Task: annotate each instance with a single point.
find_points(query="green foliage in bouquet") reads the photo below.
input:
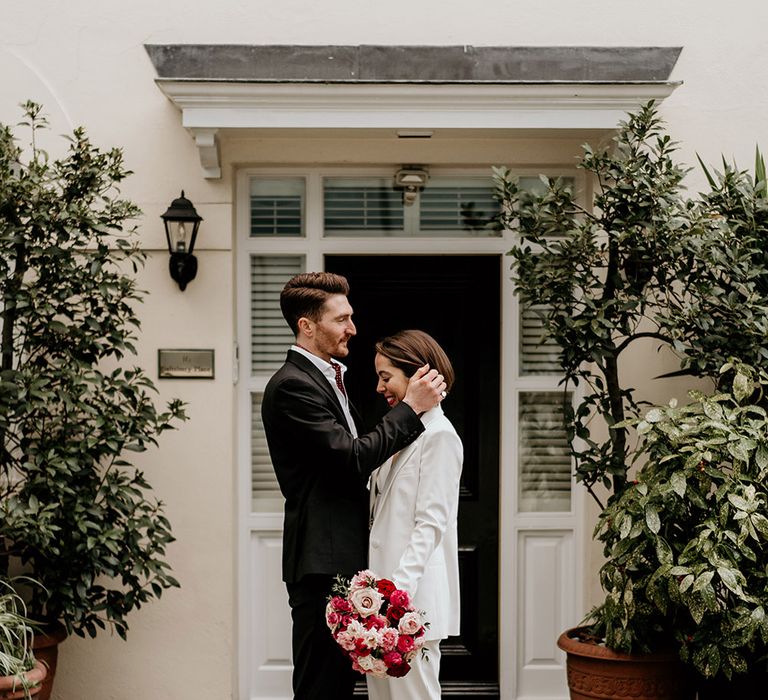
(73, 511)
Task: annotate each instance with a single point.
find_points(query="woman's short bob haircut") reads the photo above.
(409, 350)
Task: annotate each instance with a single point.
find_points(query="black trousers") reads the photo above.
(320, 669)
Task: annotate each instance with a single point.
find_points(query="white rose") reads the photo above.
(379, 669)
(366, 662)
(410, 623)
(366, 601)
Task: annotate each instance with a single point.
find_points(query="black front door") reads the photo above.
(456, 299)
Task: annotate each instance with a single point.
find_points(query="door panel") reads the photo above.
(457, 300)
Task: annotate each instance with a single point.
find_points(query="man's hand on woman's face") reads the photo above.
(426, 389)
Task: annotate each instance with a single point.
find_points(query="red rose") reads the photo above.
(376, 622)
(392, 658)
(385, 587)
(361, 649)
(394, 614)
(398, 671)
(405, 643)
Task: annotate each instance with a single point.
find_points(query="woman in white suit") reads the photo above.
(414, 504)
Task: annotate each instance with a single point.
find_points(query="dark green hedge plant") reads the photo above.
(600, 273)
(74, 511)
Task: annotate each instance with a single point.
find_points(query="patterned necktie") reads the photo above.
(339, 381)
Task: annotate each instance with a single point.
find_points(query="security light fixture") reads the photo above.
(181, 224)
(411, 179)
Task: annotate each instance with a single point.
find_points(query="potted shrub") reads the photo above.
(74, 512)
(687, 543)
(21, 674)
(644, 263)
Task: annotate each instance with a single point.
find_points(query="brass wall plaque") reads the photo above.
(185, 364)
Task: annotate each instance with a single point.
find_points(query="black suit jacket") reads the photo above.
(322, 470)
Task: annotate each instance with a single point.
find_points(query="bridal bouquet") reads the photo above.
(375, 624)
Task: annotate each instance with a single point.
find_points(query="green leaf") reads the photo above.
(663, 551)
(679, 483)
(652, 519)
(742, 386)
(703, 580)
(729, 578)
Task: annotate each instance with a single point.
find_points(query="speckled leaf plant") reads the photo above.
(687, 543)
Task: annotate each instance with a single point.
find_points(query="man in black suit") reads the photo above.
(322, 466)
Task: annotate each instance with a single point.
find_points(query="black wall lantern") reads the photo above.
(181, 224)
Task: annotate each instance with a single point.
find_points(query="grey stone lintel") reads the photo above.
(413, 64)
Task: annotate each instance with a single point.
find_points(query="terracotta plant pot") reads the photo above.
(45, 647)
(11, 688)
(594, 671)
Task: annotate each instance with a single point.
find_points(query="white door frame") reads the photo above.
(550, 543)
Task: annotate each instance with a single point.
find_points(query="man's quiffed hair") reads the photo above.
(305, 294)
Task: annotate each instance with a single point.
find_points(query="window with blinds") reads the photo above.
(270, 335)
(544, 457)
(277, 207)
(538, 355)
(263, 482)
(270, 339)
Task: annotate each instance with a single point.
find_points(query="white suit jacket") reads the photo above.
(413, 537)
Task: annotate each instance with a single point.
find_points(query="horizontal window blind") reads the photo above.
(270, 335)
(361, 205)
(277, 207)
(544, 454)
(263, 481)
(538, 355)
(468, 208)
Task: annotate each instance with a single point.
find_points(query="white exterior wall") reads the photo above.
(86, 62)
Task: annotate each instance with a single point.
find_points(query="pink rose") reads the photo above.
(332, 618)
(410, 623)
(405, 644)
(346, 641)
(363, 579)
(340, 604)
(389, 639)
(366, 601)
(400, 599)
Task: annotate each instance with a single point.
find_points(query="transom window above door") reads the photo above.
(362, 207)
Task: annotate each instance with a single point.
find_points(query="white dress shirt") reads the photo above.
(330, 374)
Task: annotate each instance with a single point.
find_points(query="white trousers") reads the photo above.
(420, 683)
